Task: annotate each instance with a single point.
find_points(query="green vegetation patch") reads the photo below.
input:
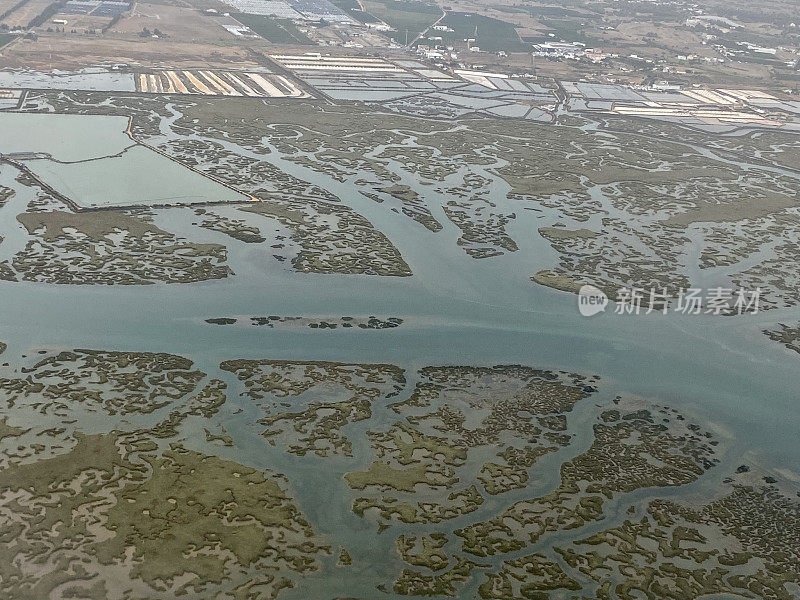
(415, 17)
(489, 34)
(382, 475)
(277, 31)
(423, 550)
(7, 38)
(353, 8)
(142, 255)
(178, 522)
(567, 30)
(193, 499)
(46, 14)
(9, 431)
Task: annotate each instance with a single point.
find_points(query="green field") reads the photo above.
(277, 31)
(567, 30)
(414, 17)
(353, 8)
(493, 35)
(6, 38)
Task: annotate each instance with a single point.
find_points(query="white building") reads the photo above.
(559, 49)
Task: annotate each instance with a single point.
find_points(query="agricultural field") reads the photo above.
(490, 34)
(353, 8)
(276, 31)
(7, 6)
(77, 52)
(412, 17)
(25, 13)
(7, 38)
(177, 22)
(82, 23)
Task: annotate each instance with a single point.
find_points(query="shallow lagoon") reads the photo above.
(90, 160)
(69, 80)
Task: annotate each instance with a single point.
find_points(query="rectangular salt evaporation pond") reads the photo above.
(100, 81)
(90, 160)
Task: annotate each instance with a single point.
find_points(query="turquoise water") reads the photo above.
(723, 371)
(67, 138)
(461, 311)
